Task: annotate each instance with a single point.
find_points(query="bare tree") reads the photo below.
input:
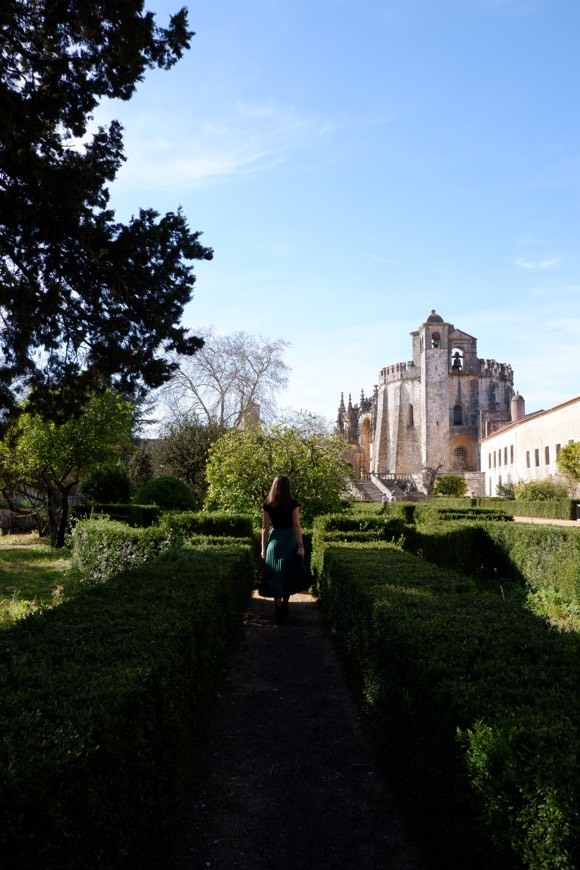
(429, 476)
(228, 380)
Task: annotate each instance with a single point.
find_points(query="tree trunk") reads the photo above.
(58, 512)
(63, 520)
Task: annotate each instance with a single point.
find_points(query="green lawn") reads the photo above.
(32, 575)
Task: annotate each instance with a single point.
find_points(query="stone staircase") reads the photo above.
(368, 491)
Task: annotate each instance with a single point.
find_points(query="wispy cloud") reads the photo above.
(251, 139)
(538, 265)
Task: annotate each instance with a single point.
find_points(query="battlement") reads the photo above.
(503, 371)
(397, 371)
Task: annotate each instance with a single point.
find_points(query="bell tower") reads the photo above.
(433, 361)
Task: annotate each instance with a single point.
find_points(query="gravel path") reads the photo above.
(289, 775)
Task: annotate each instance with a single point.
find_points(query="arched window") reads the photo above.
(460, 454)
(435, 340)
(410, 421)
(458, 415)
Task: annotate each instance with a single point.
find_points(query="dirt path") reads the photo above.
(290, 776)
(547, 521)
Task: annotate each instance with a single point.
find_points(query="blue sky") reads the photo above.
(356, 163)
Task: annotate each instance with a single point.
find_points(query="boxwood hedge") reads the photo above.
(555, 508)
(102, 548)
(476, 697)
(132, 514)
(540, 558)
(103, 698)
(207, 523)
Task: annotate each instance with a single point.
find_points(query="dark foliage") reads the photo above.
(85, 300)
(166, 492)
(107, 483)
(184, 451)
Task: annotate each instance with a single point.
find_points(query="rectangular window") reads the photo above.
(558, 448)
(537, 456)
(494, 458)
(489, 457)
(499, 480)
(547, 455)
(505, 456)
(499, 456)
(511, 454)
(528, 458)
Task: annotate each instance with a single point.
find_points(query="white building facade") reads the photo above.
(527, 448)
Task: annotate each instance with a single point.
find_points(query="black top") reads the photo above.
(282, 517)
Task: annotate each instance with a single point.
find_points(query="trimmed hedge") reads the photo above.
(442, 511)
(538, 558)
(143, 515)
(557, 508)
(364, 507)
(208, 523)
(545, 557)
(103, 698)
(430, 513)
(385, 526)
(478, 699)
(102, 548)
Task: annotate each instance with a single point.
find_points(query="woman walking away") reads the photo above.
(282, 547)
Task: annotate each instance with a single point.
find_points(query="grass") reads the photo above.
(32, 576)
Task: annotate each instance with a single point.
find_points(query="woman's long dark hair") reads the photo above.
(280, 494)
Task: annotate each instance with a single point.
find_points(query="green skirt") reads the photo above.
(284, 571)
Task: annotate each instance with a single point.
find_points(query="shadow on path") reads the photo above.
(288, 775)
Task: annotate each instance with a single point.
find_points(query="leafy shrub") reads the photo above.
(107, 483)
(140, 467)
(540, 490)
(506, 491)
(167, 492)
(450, 485)
(102, 548)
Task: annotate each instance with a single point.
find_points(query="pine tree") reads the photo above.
(85, 301)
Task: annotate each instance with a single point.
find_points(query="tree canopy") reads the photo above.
(450, 485)
(183, 451)
(568, 461)
(43, 461)
(242, 465)
(85, 301)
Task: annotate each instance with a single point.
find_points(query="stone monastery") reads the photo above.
(428, 415)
